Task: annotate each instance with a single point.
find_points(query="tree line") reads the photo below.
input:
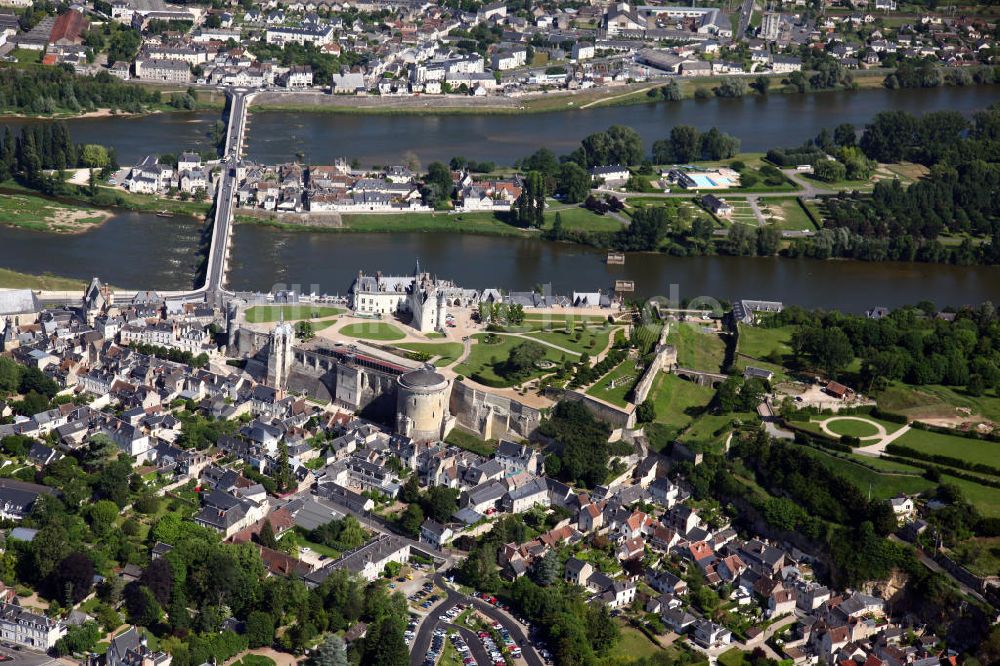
(47, 90)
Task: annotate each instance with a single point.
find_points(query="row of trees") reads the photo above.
(46, 90)
(45, 147)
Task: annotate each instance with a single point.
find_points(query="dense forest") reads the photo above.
(47, 90)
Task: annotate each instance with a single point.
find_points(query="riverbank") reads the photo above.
(13, 280)
(624, 95)
(27, 211)
(480, 223)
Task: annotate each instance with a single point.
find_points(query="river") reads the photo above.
(761, 123)
(277, 136)
(143, 251)
(264, 258)
(130, 250)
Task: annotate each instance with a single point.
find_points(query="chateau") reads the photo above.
(425, 297)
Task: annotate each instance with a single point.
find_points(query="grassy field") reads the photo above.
(153, 204)
(447, 351)
(480, 223)
(592, 340)
(373, 330)
(13, 280)
(980, 556)
(697, 349)
(677, 401)
(616, 396)
(883, 485)
(963, 448)
(38, 214)
(852, 428)
(708, 432)
(984, 498)
(635, 644)
(262, 314)
(484, 359)
(470, 442)
(578, 218)
(787, 214)
(771, 344)
(936, 402)
(540, 320)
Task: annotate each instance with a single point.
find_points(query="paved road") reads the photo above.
(517, 632)
(746, 11)
(425, 630)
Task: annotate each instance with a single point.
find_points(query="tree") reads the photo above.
(331, 652)
(158, 577)
(530, 206)
(384, 644)
(141, 605)
(411, 520)
(645, 412)
(72, 580)
(682, 146)
(260, 629)
(547, 570)
(283, 475)
(573, 182)
(441, 502)
(716, 145)
(266, 536)
(102, 515)
(304, 330)
(829, 171)
(439, 180)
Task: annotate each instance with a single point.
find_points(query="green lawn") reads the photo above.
(592, 340)
(786, 214)
(448, 352)
(981, 556)
(882, 485)
(578, 218)
(616, 396)
(697, 349)
(373, 330)
(635, 644)
(963, 448)
(936, 402)
(255, 660)
(484, 359)
(708, 432)
(852, 428)
(13, 280)
(677, 401)
(262, 314)
(772, 344)
(470, 442)
(984, 498)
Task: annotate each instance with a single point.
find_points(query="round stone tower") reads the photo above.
(422, 404)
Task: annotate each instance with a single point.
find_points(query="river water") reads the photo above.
(264, 258)
(761, 123)
(136, 250)
(141, 250)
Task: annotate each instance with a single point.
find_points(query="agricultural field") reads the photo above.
(373, 330)
(981, 555)
(697, 348)
(263, 314)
